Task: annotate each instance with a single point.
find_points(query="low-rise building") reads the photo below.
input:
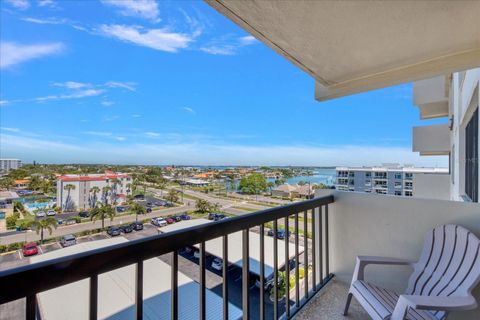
(293, 191)
(77, 192)
(395, 180)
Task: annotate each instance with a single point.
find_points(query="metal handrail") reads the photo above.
(31, 279)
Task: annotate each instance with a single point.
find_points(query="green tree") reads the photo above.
(46, 186)
(270, 186)
(172, 195)
(137, 209)
(161, 184)
(101, 212)
(35, 183)
(203, 206)
(40, 225)
(7, 183)
(69, 205)
(105, 192)
(253, 184)
(18, 174)
(93, 198)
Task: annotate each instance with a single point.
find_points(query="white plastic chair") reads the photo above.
(442, 280)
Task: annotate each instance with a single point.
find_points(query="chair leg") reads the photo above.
(347, 305)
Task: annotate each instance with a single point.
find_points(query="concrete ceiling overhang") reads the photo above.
(355, 46)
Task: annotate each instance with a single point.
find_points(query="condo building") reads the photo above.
(80, 192)
(455, 98)
(395, 180)
(9, 164)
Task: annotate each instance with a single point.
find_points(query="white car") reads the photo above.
(217, 264)
(40, 214)
(159, 222)
(68, 240)
(51, 213)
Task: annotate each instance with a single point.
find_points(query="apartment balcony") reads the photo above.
(431, 140)
(431, 97)
(339, 225)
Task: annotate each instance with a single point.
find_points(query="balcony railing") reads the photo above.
(30, 280)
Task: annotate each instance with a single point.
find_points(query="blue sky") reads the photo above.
(175, 82)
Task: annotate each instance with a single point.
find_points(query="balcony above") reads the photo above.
(350, 47)
(431, 140)
(431, 97)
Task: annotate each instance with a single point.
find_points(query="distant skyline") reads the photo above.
(151, 82)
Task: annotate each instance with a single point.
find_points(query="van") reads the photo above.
(68, 240)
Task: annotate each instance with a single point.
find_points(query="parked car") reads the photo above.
(30, 249)
(68, 240)
(196, 254)
(126, 228)
(51, 213)
(219, 216)
(169, 204)
(40, 214)
(159, 203)
(149, 210)
(139, 197)
(217, 264)
(159, 222)
(176, 218)
(84, 214)
(59, 221)
(169, 220)
(185, 217)
(149, 204)
(280, 233)
(113, 231)
(121, 209)
(211, 216)
(70, 221)
(137, 226)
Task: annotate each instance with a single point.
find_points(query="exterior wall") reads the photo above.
(464, 99)
(368, 224)
(431, 186)
(9, 164)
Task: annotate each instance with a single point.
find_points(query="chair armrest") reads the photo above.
(363, 261)
(431, 303)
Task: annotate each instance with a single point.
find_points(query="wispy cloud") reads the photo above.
(3, 102)
(189, 110)
(152, 134)
(107, 103)
(13, 53)
(19, 4)
(136, 115)
(45, 21)
(72, 85)
(74, 95)
(111, 118)
(120, 138)
(98, 133)
(158, 39)
(46, 3)
(10, 129)
(125, 85)
(146, 9)
(227, 45)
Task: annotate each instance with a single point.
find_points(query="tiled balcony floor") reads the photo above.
(329, 304)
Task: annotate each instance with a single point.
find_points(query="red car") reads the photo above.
(170, 220)
(30, 249)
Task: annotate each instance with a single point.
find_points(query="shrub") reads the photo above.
(11, 222)
(3, 248)
(14, 246)
(77, 219)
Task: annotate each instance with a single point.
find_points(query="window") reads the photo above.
(398, 176)
(409, 176)
(351, 174)
(408, 185)
(471, 158)
(398, 184)
(408, 193)
(368, 174)
(398, 193)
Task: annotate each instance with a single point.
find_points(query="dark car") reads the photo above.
(113, 231)
(149, 210)
(280, 233)
(137, 226)
(139, 197)
(84, 214)
(219, 216)
(185, 217)
(211, 216)
(126, 228)
(176, 218)
(149, 204)
(169, 204)
(121, 209)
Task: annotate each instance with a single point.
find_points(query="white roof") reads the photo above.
(215, 246)
(400, 169)
(116, 292)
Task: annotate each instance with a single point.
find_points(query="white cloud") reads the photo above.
(136, 115)
(12, 53)
(152, 134)
(45, 21)
(146, 9)
(46, 3)
(189, 110)
(107, 103)
(98, 133)
(19, 4)
(227, 46)
(75, 95)
(72, 85)
(120, 138)
(158, 39)
(10, 129)
(3, 102)
(126, 85)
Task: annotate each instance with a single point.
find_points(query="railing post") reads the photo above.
(174, 270)
(287, 269)
(139, 291)
(202, 310)
(275, 269)
(31, 307)
(245, 275)
(93, 306)
(225, 277)
(262, 272)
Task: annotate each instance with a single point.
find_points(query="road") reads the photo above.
(30, 235)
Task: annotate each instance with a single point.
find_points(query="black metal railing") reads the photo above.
(29, 280)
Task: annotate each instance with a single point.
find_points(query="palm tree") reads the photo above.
(105, 191)
(93, 199)
(138, 209)
(47, 223)
(161, 184)
(115, 182)
(129, 187)
(46, 186)
(102, 211)
(68, 204)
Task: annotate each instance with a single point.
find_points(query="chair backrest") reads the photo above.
(449, 264)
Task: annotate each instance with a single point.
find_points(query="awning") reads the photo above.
(354, 46)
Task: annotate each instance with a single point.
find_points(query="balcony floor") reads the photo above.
(329, 304)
